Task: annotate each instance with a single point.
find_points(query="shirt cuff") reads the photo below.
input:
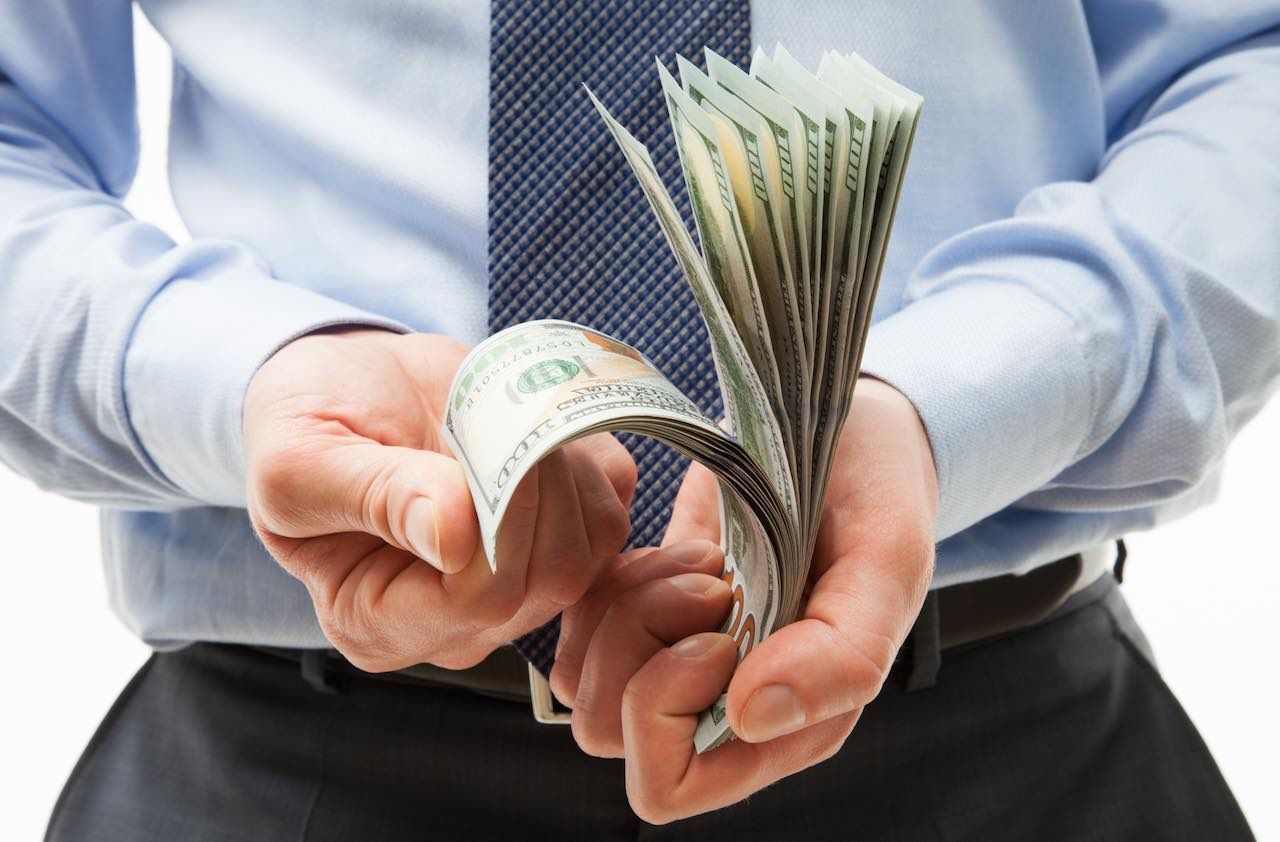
(189, 362)
(1000, 380)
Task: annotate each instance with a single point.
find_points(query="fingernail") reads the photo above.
(690, 552)
(421, 530)
(696, 646)
(697, 583)
(771, 712)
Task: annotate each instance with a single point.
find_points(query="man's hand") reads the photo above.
(354, 493)
(638, 663)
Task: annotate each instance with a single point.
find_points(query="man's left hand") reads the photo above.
(638, 663)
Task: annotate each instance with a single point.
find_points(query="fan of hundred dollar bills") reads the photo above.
(793, 179)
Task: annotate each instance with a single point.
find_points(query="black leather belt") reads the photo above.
(954, 616)
(502, 675)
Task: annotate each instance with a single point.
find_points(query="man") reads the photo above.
(1078, 311)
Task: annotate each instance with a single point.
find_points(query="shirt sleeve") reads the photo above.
(124, 357)
(1098, 349)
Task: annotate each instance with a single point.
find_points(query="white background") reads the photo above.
(1205, 589)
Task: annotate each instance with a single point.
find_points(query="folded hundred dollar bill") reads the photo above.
(793, 178)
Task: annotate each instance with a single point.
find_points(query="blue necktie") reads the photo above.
(570, 233)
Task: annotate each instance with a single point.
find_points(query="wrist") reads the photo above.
(193, 353)
(897, 410)
(300, 357)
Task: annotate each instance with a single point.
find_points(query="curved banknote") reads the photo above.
(793, 179)
(534, 387)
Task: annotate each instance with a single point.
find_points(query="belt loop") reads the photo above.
(926, 646)
(315, 671)
(1122, 553)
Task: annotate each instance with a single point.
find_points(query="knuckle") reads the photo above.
(357, 648)
(613, 458)
(921, 547)
(369, 661)
(623, 470)
(572, 621)
(915, 546)
(610, 530)
(309, 562)
(911, 563)
(637, 700)
(594, 735)
(496, 607)
(563, 681)
(348, 626)
(866, 665)
(927, 557)
(822, 752)
(571, 585)
(525, 500)
(374, 490)
(273, 472)
(458, 658)
(275, 481)
(649, 806)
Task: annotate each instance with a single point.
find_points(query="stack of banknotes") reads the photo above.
(793, 179)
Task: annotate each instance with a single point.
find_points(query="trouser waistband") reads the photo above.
(973, 612)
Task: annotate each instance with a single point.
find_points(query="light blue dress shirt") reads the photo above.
(1082, 297)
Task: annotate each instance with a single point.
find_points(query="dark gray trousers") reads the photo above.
(1060, 731)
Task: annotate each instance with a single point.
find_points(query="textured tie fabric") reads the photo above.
(570, 233)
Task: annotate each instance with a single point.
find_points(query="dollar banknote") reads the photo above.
(793, 178)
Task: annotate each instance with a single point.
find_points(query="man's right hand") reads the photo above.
(353, 491)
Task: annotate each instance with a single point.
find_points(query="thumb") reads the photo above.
(416, 500)
(836, 658)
